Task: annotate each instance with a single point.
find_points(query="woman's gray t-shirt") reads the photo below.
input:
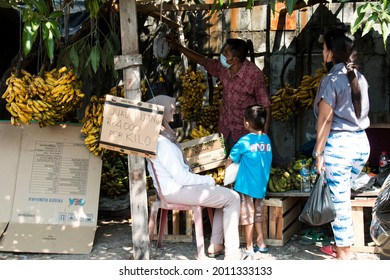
(336, 91)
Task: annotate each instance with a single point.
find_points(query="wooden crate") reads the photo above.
(173, 231)
(361, 225)
(280, 220)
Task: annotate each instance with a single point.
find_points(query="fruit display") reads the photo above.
(93, 118)
(193, 94)
(288, 178)
(46, 99)
(199, 131)
(287, 101)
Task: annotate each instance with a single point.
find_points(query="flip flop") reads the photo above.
(215, 254)
(256, 248)
(328, 250)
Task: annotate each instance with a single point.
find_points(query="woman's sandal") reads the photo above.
(217, 253)
(328, 250)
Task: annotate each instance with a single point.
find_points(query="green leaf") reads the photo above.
(45, 31)
(49, 43)
(290, 6)
(385, 17)
(55, 28)
(40, 5)
(370, 23)
(29, 35)
(249, 4)
(358, 22)
(55, 15)
(385, 32)
(362, 8)
(35, 23)
(273, 3)
(74, 57)
(94, 58)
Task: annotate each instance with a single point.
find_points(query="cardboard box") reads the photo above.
(205, 153)
(10, 139)
(131, 127)
(56, 186)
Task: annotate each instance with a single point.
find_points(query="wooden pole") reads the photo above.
(137, 176)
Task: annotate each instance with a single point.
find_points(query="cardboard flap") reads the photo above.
(10, 139)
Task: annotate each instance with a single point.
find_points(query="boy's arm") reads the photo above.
(228, 162)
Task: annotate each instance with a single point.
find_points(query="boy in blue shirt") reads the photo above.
(253, 152)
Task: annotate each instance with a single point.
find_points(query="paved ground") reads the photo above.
(113, 241)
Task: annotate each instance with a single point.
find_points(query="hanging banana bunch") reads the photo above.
(210, 114)
(307, 89)
(92, 122)
(287, 101)
(47, 99)
(192, 98)
(114, 179)
(93, 118)
(282, 103)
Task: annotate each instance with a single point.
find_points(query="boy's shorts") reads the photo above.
(251, 210)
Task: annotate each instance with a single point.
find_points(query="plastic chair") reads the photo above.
(160, 203)
(164, 206)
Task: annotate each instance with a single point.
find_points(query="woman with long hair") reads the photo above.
(342, 148)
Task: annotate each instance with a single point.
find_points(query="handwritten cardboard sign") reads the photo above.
(131, 127)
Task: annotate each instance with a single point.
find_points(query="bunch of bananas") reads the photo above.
(199, 131)
(288, 178)
(283, 103)
(193, 95)
(114, 179)
(92, 122)
(307, 89)
(287, 101)
(218, 174)
(210, 113)
(46, 99)
(93, 118)
(117, 91)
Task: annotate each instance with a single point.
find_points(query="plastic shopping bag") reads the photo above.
(231, 173)
(319, 208)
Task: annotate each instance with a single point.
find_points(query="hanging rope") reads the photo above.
(161, 10)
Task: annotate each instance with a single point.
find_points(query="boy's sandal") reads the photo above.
(256, 248)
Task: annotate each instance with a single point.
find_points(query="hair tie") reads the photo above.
(350, 66)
